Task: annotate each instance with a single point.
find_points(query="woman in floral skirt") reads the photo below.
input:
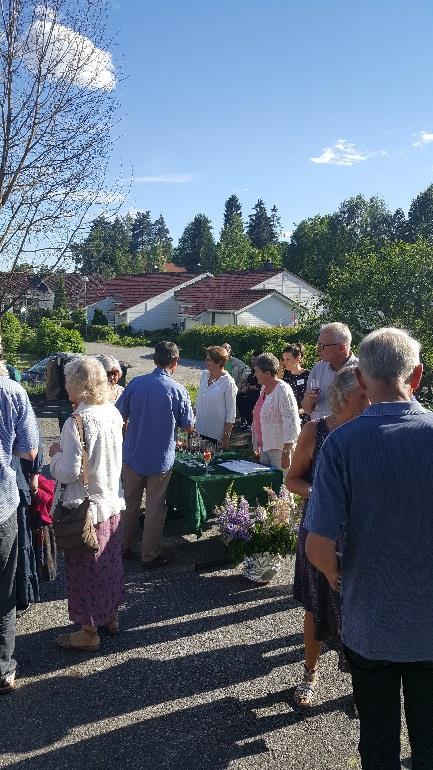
(94, 580)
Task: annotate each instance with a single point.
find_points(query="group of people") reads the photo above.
(351, 440)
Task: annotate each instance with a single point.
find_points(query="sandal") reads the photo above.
(86, 641)
(304, 693)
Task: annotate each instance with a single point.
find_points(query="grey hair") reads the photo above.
(345, 381)
(267, 362)
(388, 354)
(109, 363)
(89, 378)
(341, 332)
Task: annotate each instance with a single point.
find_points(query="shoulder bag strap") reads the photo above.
(84, 454)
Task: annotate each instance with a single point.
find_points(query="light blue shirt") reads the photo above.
(19, 433)
(374, 479)
(155, 406)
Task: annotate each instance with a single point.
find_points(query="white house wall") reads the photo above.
(293, 288)
(106, 305)
(156, 313)
(272, 311)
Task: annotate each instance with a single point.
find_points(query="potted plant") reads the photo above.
(260, 536)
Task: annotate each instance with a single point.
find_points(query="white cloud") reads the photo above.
(66, 54)
(424, 137)
(165, 178)
(344, 153)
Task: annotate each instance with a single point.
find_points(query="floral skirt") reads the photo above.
(95, 581)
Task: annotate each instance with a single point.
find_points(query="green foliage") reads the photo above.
(232, 209)
(78, 317)
(260, 228)
(132, 342)
(99, 318)
(421, 215)
(28, 339)
(196, 248)
(389, 287)
(11, 334)
(60, 314)
(243, 339)
(234, 250)
(51, 337)
(103, 333)
(125, 330)
(60, 296)
(34, 389)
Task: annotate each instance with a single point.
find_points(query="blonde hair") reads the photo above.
(218, 354)
(89, 379)
(345, 381)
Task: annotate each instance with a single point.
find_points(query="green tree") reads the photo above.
(161, 239)
(60, 296)
(141, 232)
(276, 223)
(392, 286)
(196, 248)
(99, 318)
(11, 336)
(234, 250)
(93, 254)
(359, 220)
(232, 209)
(420, 216)
(311, 250)
(260, 230)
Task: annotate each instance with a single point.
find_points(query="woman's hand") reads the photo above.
(285, 460)
(54, 448)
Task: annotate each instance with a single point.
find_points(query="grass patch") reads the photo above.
(192, 391)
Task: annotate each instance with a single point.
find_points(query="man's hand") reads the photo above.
(309, 401)
(54, 448)
(334, 580)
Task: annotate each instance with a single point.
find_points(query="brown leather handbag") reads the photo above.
(73, 527)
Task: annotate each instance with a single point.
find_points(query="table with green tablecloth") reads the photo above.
(195, 494)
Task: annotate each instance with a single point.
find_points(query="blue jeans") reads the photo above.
(376, 689)
(8, 566)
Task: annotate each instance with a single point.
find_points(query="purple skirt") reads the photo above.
(95, 581)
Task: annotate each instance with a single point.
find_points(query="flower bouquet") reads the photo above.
(261, 536)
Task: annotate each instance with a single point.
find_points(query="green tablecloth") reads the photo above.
(195, 494)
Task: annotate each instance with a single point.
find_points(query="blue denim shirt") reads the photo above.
(374, 479)
(155, 405)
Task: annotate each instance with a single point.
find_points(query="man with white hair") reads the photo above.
(333, 348)
(374, 482)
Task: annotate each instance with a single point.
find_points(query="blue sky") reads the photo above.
(229, 96)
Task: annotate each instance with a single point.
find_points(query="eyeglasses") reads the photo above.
(322, 346)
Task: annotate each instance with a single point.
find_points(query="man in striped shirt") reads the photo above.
(19, 436)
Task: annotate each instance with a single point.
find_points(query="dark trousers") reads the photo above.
(245, 403)
(376, 689)
(8, 566)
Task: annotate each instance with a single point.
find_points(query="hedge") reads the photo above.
(244, 340)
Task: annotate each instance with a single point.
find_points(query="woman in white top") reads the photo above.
(216, 398)
(114, 373)
(94, 581)
(279, 418)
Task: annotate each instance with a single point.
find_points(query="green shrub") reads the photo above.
(125, 330)
(244, 340)
(192, 390)
(78, 317)
(160, 335)
(52, 337)
(132, 342)
(11, 333)
(99, 318)
(102, 334)
(28, 339)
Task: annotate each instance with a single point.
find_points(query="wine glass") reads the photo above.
(208, 452)
(315, 387)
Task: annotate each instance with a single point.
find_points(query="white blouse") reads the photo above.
(279, 418)
(215, 405)
(103, 432)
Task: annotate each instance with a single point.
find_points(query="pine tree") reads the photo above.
(141, 232)
(60, 296)
(232, 208)
(196, 247)
(276, 223)
(260, 230)
(161, 238)
(234, 250)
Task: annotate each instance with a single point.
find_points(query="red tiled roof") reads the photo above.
(224, 292)
(129, 290)
(17, 283)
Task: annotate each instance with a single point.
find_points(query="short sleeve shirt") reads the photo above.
(374, 480)
(325, 374)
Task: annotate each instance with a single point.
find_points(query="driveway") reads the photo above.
(141, 359)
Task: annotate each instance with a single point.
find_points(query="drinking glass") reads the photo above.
(315, 387)
(208, 452)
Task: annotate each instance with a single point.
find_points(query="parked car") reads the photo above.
(37, 372)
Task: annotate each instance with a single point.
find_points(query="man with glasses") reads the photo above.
(333, 348)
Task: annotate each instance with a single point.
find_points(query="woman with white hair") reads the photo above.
(322, 617)
(94, 580)
(114, 373)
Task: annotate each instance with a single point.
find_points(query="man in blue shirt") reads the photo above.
(154, 406)
(19, 436)
(374, 481)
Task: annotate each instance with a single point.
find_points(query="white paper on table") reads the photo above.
(244, 467)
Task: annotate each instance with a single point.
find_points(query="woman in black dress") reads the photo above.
(295, 374)
(248, 395)
(322, 616)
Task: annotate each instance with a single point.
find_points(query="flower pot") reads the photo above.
(261, 567)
